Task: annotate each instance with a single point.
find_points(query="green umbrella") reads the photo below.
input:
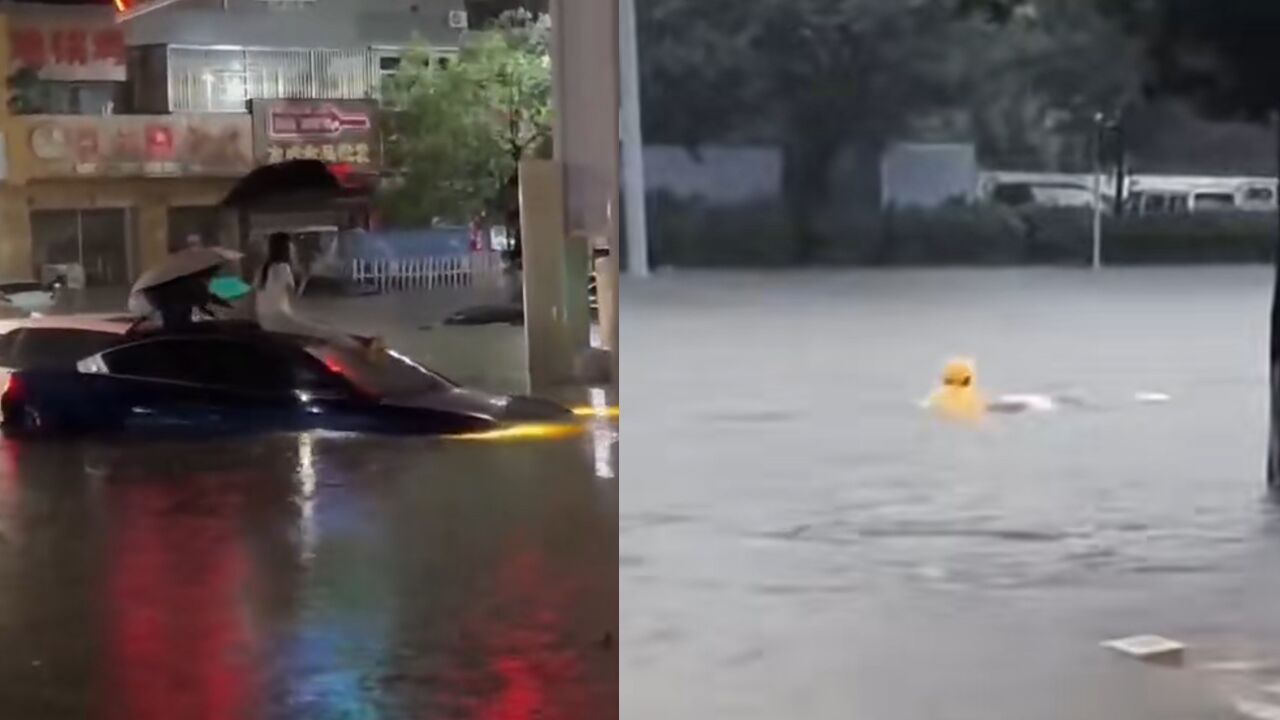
(229, 288)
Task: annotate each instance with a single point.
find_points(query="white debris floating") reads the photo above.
(1024, 403)
(1148, 647)
(1257, 710)
(1244, 667)
(1152, 398)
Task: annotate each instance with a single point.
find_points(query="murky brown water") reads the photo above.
(315, 577)
(801, 540)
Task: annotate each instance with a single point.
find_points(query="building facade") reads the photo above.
(121, 138)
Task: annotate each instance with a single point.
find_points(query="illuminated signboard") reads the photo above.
(140, 146)
(338, 132)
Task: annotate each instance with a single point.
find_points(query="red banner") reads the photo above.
(60, 47)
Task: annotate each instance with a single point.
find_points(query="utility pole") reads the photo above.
(1122, 171)
(633, 188)
(1273, 435)
(1099, 130)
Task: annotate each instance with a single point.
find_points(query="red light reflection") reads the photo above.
(177, 639)
(538, 677)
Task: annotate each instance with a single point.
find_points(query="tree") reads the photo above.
(819, 76)
(1038, 81)
(458, 131)
(811, 75)
(481, 13)
(1218, 55)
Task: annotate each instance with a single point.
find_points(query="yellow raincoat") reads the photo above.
(958, 398)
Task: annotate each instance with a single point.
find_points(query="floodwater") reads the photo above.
(801, 540)
(314, 577)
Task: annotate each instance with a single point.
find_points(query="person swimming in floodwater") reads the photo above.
(274, 301)
(958, 397)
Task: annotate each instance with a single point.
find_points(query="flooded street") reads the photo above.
(315, 576)
(802, 540)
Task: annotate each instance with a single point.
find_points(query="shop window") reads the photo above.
(193, 227)
(48, 97)
(94, 240)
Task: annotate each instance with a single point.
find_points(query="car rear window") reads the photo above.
(384, 374)
(52, 348)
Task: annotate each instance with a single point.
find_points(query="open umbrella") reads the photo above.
(303, 182)
(189, 263)
(180, 285)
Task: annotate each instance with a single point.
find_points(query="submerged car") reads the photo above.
(220, 377)
(56, 341)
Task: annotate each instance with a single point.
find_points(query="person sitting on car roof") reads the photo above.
(275, 290)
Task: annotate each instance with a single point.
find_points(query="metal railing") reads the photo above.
(427, 273)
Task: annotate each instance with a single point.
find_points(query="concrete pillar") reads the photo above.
(633, 184)
(584, 52)
(549, 337)
(607, 292)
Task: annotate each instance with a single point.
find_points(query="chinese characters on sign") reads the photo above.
(338, 132)
(60, 49)
(343, 153)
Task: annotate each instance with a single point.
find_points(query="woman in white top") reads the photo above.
(274, 301)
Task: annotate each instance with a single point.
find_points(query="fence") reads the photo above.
(428, 273)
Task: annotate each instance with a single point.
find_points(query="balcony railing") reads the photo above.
(222, 80)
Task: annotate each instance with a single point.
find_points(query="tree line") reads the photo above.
(1026, 80)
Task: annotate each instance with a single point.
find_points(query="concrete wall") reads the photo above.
(718, 174)
(928, 174)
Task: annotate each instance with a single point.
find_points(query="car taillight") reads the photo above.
(12, 389)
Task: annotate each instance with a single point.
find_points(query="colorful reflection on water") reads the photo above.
(309, 577)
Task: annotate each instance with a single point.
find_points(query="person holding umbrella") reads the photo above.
(181, 288)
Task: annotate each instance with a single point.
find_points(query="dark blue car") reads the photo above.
(220, 378)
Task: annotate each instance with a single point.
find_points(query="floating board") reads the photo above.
(1148, 647)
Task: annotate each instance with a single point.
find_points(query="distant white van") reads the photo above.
(1041, 189)
(1155, 194)
(1144, 194)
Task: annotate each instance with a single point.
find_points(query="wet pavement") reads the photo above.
(802, 540)
(314, 576)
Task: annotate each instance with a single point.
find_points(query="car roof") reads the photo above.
(230, 329)
(123, 326)
(112, 323)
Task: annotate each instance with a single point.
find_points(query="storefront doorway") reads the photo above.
(194, 225)
(93, 244)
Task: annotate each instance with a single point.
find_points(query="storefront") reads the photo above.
(343, 134)
(93, 243)
(114, 195)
